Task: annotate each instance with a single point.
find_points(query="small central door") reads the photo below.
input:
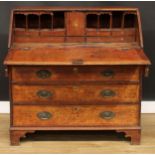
(75, 23)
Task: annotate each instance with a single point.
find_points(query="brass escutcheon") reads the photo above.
(76, 108)
(77, 62)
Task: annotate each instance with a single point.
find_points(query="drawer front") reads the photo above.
(74, 93)
(86, 115)
(74, 73)
(127, 32)
(92, 32)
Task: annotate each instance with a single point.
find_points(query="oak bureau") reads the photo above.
(75, 68)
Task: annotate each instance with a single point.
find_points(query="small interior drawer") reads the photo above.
(92, 32)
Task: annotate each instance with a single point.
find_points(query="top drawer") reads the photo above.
(49, 74)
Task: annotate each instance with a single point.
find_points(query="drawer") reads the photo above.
(126, 32)
(92, 32)
(43, 32)
(71, 115)
(74, 73)
(86, 93)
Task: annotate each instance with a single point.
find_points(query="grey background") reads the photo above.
(147, 10)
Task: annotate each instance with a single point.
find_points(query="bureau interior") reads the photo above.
(86, 26)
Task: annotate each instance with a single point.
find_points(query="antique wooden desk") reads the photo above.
(75, 69)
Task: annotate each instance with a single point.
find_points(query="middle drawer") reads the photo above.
(31, 94)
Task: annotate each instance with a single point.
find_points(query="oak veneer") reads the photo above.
(75, 68)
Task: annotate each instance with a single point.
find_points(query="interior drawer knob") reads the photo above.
(108, 73)
(107, 93)
(44, 93)
(44, 115)
(107, 114)
(43, 74)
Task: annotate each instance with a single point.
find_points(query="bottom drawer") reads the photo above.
(76, 115)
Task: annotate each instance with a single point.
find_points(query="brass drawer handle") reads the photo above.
(107, 114)
(44, 115)
(44, 93)
(43, 74)
(108, 73)
(107, 93)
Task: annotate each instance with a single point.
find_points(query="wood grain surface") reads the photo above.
(75, 93)
(85, 115)
(22, 74)
(66, 56)
(57, 60)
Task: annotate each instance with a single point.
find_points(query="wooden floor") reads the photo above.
(79, 142)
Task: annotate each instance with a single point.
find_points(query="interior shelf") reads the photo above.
(52, 20)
